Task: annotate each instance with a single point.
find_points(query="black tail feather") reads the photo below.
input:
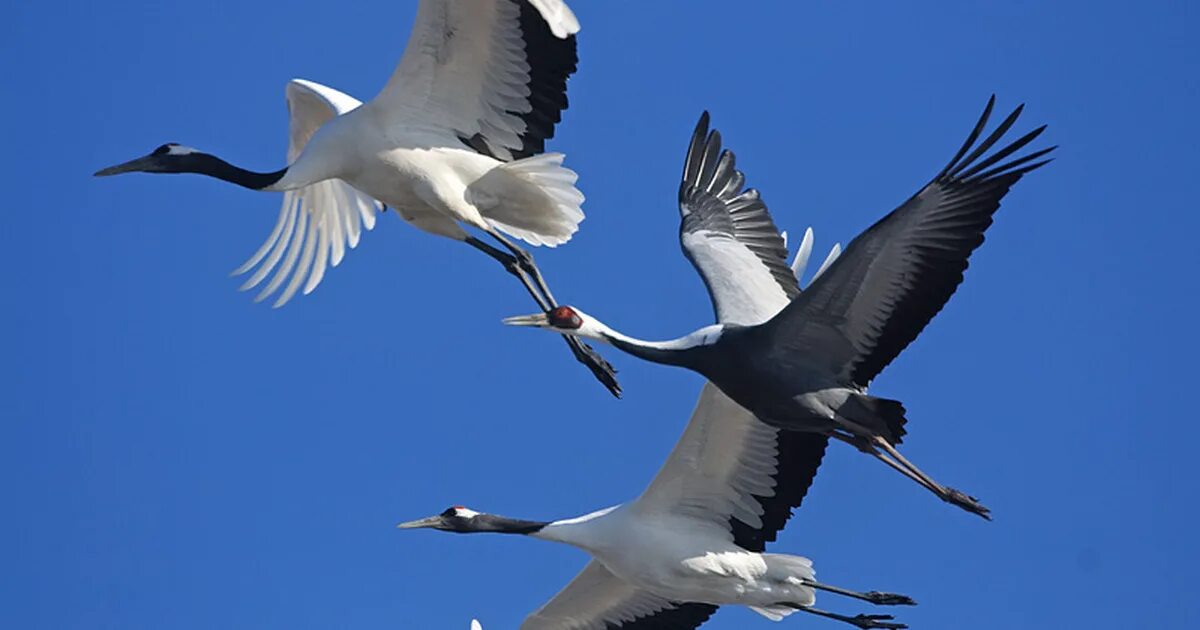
(882, 416)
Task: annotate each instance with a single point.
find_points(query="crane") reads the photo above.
(454, 141)
(695, 538)
(807, 368)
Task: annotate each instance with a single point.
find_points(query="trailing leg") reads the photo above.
(525, 259)
(520, 267)
(875, 597)
(513, 266)
(947, 494)
(859, 621)
(862, 437)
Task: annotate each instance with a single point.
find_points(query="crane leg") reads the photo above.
(866, 445)
(875, 597)
(860, 621)
(949, 495)
(585, 354)
(525, 259)
(510, 264)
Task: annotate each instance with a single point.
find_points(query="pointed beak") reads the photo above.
(538, 320)
(145, 163)
(421, 523)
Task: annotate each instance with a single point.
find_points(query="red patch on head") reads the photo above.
(460, 507)
(565, 317)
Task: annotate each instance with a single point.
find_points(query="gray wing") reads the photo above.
(728, 235)
(598, 600)
(894, 277)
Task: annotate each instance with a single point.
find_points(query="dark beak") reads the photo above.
(147, 163)
(422, 523)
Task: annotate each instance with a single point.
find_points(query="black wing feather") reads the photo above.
(898, 274)
(712, 200)
(552, 60)
(681, 617)
(799, 457)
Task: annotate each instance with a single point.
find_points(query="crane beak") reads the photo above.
(142, 164)
(538, 320)
(431, 522)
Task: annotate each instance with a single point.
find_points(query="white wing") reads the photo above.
(317, 222)
(800, 262)
(475, 625)
(494, 72)
(728, 467)
(598, 600)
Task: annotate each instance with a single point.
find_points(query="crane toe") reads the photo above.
(890, 599)
(876, 621)
(967, 502)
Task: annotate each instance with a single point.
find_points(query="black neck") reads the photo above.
(501, 525)
(213, 166)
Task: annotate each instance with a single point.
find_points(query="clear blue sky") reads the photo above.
(175, 456)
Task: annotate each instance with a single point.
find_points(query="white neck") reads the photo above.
(325, 156)
(707, 336)
(587, 532)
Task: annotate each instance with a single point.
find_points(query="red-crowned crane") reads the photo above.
(453, 142)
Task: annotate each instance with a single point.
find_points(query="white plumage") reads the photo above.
(453, 140)
(318, 222)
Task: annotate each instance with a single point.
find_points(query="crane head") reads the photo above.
(168, 158)
(561, 318)
(567, 320)
(462, 520)
(454, 519)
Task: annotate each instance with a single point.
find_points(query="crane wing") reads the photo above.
(894, 277)
(732, 469)
(728, 235)
(493, 71)
(598, 600)
(728, 466)
(316, 223)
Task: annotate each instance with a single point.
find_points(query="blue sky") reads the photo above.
(173, 455)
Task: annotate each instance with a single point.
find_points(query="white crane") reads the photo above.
(808, 367)
(453, 141)
(694, 539)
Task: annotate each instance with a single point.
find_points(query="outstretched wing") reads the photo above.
(728, 466)
(729, 236)
(894, 277)
(316, 223)
(735, 471)
(493, 71)
(598, 600)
